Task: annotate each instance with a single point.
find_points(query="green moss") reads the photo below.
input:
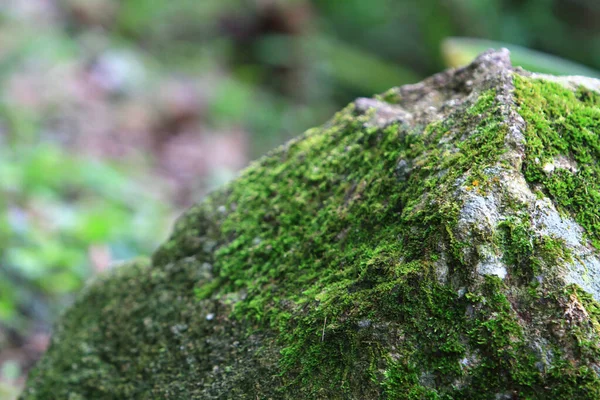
(140, 333)
(563, 123)
(390, 96)
(313, 234)
(316, 275)
(529, 255)
(516, 240)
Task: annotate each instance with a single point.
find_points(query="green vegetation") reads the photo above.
(316, 228)
(563, 147)
(57, 209)
(321, 264)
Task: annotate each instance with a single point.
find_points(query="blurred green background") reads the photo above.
(117, 114)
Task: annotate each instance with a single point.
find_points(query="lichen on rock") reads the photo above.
(438, 241)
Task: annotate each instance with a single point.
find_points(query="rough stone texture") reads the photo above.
(438, 241)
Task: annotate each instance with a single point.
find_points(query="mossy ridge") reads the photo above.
(356, 214)
(563, 123)
(330, 329)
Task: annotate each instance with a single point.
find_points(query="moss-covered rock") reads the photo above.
(440, 241)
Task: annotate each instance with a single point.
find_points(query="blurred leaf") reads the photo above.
(357, 68)
(100, 224)
(460, 51)
(168, 21)
(276, 50)
(134, 15)
(232, 101)
(46, 167)
(10, 370)
(61, 282)
(26, 261)
(7, 306)
(437, 21)
(10, 176)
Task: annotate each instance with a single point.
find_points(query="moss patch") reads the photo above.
(563, 147)
(334, 247)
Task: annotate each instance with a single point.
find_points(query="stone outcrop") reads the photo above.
(438, 241)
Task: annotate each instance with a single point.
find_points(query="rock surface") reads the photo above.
(438, 241)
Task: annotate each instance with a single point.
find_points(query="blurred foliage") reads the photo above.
(63, 214)
(461, 51)
(114, 113)
(57, 208)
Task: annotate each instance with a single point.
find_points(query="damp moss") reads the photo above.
(314, 243)
(563, 147)
(527, 254)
